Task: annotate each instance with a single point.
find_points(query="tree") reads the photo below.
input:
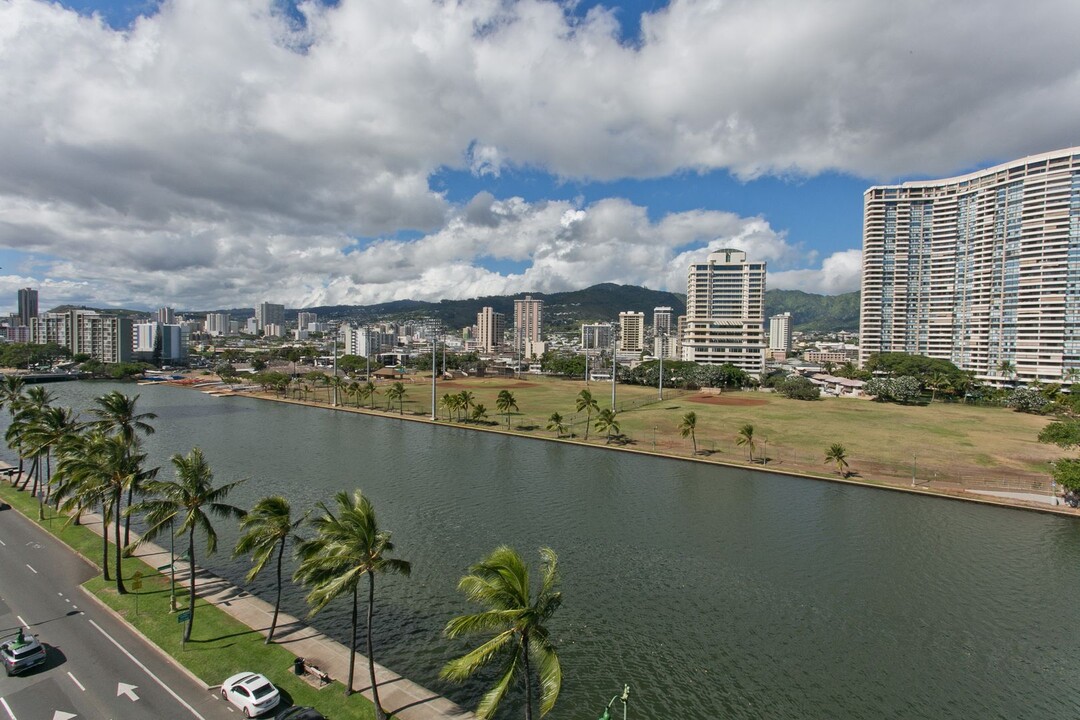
(50, 427)
(193, 499)
(449, 402)
(688, 428)
(369, 391)
(1063, 433)
(505, 403)
(467, 401)
(479, 412)
(606, 422)
(11, 395)
(938, 381)
(396, 392)
(1027, 399)
(1007, 369)
(1066, 473)
(836, 453)
(518, 617)
(586, 402)
(82, 483)
(746, 437)
(115, 413)
(555, 422)
(266, 528)
(797, 387)
(346, 547)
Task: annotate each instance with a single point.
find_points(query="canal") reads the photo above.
(714, 593)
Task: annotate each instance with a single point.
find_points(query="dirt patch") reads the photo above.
(726, 400)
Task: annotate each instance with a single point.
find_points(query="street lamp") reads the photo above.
(614, 363)
(624, 697)
(914, 467)
(434, 349)
(660, 390)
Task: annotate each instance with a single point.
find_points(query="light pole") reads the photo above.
(624, 697)
(660, 391)
(434, 349)
(914, 467)
(765, 452)
(614, 363)
(335, 371)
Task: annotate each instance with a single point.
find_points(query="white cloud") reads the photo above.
(215, 149)
(839, 273)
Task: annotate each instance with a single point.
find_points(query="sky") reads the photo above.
(205, 154)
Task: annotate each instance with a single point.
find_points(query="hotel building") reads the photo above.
(780, 332)
(981, 269)
(725, 312)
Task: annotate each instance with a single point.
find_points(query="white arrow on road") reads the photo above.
(125, 689)
(61, 715)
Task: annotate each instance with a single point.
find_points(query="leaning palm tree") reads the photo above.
(192, 499)
(688, 428)
(450, 402)
(586, 402)
(116, 413)
(47, 431)
(505, 403)
(11, 395)
(606, 422)
(746, 437)
(479, 412)
(837, 453)
(555, 422)
(937, 381)
(517, 616)
(467, 401)
(346, 547)
(82, 482)
(266, 528)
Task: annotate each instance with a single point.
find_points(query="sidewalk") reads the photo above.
(400, 697)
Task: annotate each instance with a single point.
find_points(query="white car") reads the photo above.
(250, 692)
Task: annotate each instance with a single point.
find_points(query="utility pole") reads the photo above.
(335, 370)
(663, 346)
(614, 363)
(434, 349)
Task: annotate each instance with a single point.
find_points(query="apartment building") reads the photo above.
(631, 332)
(780, 332)
(490, 328)
(595, 336)
(981, 269)
(725, 308)
(269, 314)
(528, 319)
(107, 338)
(28, 306)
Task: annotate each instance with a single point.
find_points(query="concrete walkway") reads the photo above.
(400, 697)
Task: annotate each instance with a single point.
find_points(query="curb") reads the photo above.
(166, 656)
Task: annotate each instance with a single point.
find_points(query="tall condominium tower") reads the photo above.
(490, 326)
(631, 331)
(28, 305)
(780, 332)
(725, 312)
(305, 319)
(528, 317)
(269, 314)
(981, 269)
(166, 316)
(595, 336)
(665, 340)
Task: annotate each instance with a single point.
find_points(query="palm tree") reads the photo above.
(555, 422)
(338, 384)
(396, 392)
(517, 616)
(605, 421)
(1007, 369)
(467, 401)
(937, 381)
(346, 547)
(193, 499)
(116, 413)
(1069, 376)
(28, 416)
(268, 527)
(586, 402)
(746, 437)
(11, 395)
(836, 453)
(505, 403)
(50, 427)
(81, 483)
(450, 402)
(367, 392)
(688, 428)
(479, 412)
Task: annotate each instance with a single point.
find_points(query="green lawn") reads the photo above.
(220, 646)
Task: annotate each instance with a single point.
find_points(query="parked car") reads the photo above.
(252, 693)
(20, 653)
(300, 713)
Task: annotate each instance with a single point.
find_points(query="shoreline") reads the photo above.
(981, 497)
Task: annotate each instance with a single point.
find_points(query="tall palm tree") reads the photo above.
(11, 395)
(586, 402)
(479, 412)
(50, 427)
(467, 401)
(266, 528)
(555, 422)
(837, 453)
(81, 482)
(517, 616)
(192, 499)
(397, 392)
(346, 547)
(116, 413)
(606, 422)
(450, 402)
(28, 416)
(688, 428)
(937, 381)
(746, 437)
(1007, 369)
(505, 403)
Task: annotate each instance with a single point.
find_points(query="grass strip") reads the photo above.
(220, 645)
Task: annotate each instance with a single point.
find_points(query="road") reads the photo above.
(97, 667)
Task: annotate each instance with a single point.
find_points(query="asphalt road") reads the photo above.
(97, 667)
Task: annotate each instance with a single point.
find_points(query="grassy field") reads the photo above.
(220, 645)
(945, 443)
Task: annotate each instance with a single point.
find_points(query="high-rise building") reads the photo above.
(306, 319)
(269, 314)
(490, 326)
(166, 316)
(28, 305)
(631, 332)
(173, 339)
(218, 324)
(528, 317)
(981, 269)
(780, 332)
(665, 341)
(725, 312)
(595, 336)
(362, 341)
(107, 338)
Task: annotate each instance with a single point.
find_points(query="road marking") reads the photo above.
(76, 681)
(23, 622)
(8, 708)
(32, 568)
(146, 670)
(3, 543)
(61, 715)
(125, 689)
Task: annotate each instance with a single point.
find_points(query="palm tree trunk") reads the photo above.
(380, 714)
(588, 422)
(191, 584)
(127, 520)
(105, 540)
(277, 602)
(119, 549)
(352, 643)
(528, 676)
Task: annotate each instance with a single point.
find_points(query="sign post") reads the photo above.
(181, 618)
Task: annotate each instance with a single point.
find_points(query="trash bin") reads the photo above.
(298, 666)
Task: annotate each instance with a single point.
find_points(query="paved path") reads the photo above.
(401, 697)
